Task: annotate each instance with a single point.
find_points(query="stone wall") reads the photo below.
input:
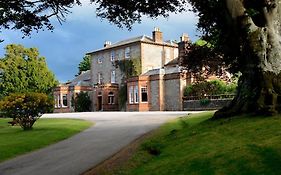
(155, 56)
(198, 105)
(107, 65)
(154, 95)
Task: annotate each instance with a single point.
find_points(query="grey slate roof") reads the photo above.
(142, 38)
(83, 79)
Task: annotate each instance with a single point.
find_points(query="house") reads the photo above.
(131, 68)
(160, 89)
(65, 93)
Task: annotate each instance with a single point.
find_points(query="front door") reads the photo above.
(99, 103)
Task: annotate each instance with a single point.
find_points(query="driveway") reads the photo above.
(111, 132)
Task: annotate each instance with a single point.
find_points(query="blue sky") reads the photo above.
(82, 32)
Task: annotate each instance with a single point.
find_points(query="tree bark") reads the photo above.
(259, 87)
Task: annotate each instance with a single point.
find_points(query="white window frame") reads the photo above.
(111, 98)
(145, 88)
(99, 78)
(136, 94)
(131, 95)
(64, 95)
(127, 52)
(112, 55)
(113, 76)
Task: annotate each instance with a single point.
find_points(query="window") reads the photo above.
(99, 78)
(100, 60)
(113, 77)
(111, 98)
(112, 56)
(127, 52)
(136, 93)
(64, 100)
(144, 94)
(131, 95)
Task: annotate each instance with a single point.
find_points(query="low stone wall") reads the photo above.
(199, 105)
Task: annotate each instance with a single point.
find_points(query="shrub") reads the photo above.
(82, 102)
(214, 87)
(26, 108)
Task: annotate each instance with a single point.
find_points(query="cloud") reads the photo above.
(82, 32)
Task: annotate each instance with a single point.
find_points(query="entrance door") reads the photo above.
(99, 103)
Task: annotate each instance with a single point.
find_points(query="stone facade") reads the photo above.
(153, 53)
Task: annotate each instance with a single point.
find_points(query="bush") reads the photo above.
(26, 108)
(82, 102)
(214, 87)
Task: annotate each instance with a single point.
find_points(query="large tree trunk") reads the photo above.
(259, 88)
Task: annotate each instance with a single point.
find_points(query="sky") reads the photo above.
(83, 32)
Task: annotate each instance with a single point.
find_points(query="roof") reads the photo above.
(84, 79)
(162, 71)
(143, 38)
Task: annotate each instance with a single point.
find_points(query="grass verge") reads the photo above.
(14, 141)
(195, 145)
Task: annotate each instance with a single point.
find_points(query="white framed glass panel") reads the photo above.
(127, 52)
(131, 95)
(112, 55)
(136, 94)
(113, 76)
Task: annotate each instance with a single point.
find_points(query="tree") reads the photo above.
(23, 70)
(85, 64)
(29, 15)
(26, 108)
(82, 102)
(245, 32)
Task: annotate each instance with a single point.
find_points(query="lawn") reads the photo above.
(195, 145)
(14, 141)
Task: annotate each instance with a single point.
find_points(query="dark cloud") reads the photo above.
(82, 32)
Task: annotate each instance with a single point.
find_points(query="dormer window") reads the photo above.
(127, 52)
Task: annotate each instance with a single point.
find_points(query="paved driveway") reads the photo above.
(112, 131)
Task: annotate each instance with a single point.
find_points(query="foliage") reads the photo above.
(23, 70)
(205, 101)
(214, 87)
(85, 64)
(122, 95)
(240, 145)
(32, 15)
(15, 142)
(129, 68)
(82, 102)
(26, 108)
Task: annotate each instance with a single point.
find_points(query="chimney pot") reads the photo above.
(107, 43)
(157, 35)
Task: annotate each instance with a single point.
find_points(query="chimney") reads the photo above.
(184, 38)
(157, 35)
(183, 46)
(107, 43)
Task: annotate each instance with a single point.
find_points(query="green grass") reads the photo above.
(14, 141)
(194, 145)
